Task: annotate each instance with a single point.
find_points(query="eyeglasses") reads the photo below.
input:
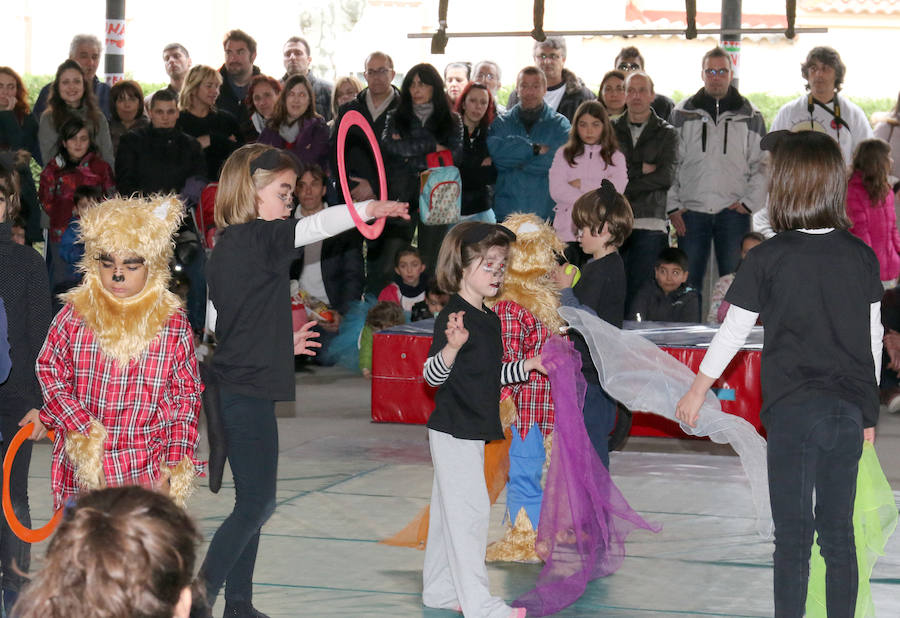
(611, 89)
(377, 72)
(485, 76)
(714, 72)
(628, 66)
(548, 56)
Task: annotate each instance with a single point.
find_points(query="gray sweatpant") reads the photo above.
(454, 574)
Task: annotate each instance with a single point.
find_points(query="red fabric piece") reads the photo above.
(524, 337)
(57, 188)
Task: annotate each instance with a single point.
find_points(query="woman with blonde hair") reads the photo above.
(345, 90)
(120, 552)
(216, 130)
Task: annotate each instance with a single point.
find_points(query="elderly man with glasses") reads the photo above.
(721, 177)
(565, 91)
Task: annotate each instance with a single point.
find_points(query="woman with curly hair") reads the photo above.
(18, 139)
(71, 95)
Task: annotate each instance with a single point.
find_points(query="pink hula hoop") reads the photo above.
(350, 119)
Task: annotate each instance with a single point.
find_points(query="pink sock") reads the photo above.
(517, 612)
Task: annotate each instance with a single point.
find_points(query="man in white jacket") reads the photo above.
(721, 177)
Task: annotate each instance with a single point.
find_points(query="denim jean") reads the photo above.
(599, 419)
(639, 254)
(725, 229)
(15, 554)
(251, 434)
(814, 444)
(196, 296)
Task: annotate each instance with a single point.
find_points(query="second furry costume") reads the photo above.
(119, 375)
(527, 310)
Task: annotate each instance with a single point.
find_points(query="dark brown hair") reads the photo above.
(807, 183)
(9, 184)
(58, 109)
(609, 75)
(455, 255)
(872, 159)
(279, 114)
(240, 35)
(608, 142)
(119, 88)
(829, 57)
(121, 552)
(256, 82)
(592, 210)
(385, 314)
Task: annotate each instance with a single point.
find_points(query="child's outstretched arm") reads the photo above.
(728, 340)
(332, 221)
(438, 366)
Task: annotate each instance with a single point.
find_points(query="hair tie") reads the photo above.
(607, 193)
(479, 232)
(268, 160)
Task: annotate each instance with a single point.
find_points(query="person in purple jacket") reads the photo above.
(295, 126)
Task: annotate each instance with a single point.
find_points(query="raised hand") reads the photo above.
(377, 209)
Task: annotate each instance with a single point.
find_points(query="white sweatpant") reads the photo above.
(454, 574)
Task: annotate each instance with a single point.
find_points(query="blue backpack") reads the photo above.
(440, 190)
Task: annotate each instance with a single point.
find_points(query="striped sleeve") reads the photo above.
(435, 371)
(513, 371)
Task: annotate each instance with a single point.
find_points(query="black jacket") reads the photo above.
(657, 144)
(221, 127)
(654, 305)
(358, 156)
(158, 161)
(576, 94)
(477, 179)
(229, 101)
(406, 157)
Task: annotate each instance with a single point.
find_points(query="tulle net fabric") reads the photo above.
(584, 517)
(642, 377)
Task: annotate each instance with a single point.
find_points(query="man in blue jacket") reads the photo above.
(522, 143)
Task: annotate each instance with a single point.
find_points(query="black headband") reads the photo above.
(479, 232)
(607, 193)
(268, 160)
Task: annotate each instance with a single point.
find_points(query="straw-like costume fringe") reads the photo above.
(86, 454)
(518, 543)
(182, 481)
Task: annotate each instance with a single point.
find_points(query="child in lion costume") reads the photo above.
(118, 370)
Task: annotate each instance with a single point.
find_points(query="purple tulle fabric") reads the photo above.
(584, 517)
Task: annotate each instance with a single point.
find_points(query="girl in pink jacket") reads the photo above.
(591, 154)
(870, 206)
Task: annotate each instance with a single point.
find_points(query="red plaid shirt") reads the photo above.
(149, 408)
(524, 337)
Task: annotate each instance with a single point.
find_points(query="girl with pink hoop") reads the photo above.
(250, 292)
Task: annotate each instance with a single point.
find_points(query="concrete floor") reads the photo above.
(345, 483)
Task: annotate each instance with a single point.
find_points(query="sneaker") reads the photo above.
(891, 399)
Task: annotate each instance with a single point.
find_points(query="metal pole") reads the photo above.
(731, 34)
(114, 64)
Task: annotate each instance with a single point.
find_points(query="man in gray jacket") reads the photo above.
(650, 146)
(721, 175)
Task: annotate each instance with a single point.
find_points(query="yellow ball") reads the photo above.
(570, 268)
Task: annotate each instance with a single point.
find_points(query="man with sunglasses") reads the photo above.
(629, 60)
(721, 177)
(565, 91)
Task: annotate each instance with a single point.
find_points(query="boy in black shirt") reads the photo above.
(669, 298)
(603, 221)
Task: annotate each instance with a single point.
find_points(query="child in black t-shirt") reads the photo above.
(603, 221)
(669, 298)
(818, 291)
(465, 363)
(249, 288)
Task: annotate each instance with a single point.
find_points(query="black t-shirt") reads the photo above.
(467, 404)
(602, 288)
(814, 294)
(249, 286)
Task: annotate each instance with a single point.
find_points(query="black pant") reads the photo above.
(15, 554)
(251, 434)
(814, 443)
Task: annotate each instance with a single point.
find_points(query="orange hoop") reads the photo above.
(28, 535)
